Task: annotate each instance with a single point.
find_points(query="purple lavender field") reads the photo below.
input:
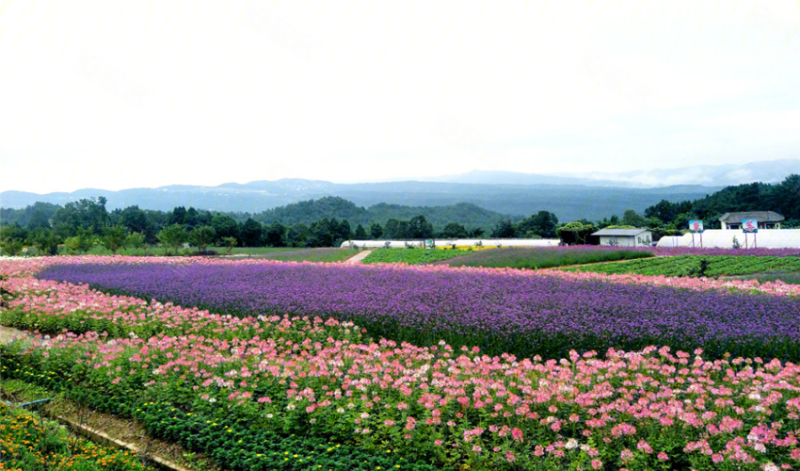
(524, 315)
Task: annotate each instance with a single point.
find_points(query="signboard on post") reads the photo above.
(696, 227)
(429, 244)
(749, 226)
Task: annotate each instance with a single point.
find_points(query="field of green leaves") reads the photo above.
(537, 258)
(412, 256)
(698, 265)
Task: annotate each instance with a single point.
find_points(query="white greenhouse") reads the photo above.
(717, 238)
(375, 244)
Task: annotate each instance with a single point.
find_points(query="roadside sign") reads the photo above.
(749, 226)
(428, 243)
(696, 227)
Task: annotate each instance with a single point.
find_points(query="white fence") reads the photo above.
(375, 244)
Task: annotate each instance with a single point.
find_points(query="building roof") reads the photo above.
(619, 232)
(760, 216)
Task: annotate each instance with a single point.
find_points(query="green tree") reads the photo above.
(87, 213)
(476, 233)
(230, 243)
(136, 240)
(575, 233)
(275, 235)
(45, 241)
(342, 233)
(201, 237)
(542, 224)
(375, 230)
(361, 233)
(319, 234)
(86, 240)
(39, 219)
(297, 235)
(178, 216)
(454, 230)
(251, 233)
(419, 228)
(630, 218)
(172, 237)
(504, 230)
(11, 246)
(114, 238)
(225, 226)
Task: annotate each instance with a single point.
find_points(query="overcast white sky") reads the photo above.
(123, 94)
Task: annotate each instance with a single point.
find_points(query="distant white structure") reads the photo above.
(766, 219)
(395, 244)
(717, 238)
(625, 237)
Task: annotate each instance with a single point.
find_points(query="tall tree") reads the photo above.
(361, 233)
(375, 230)
(251, 233)
(172, 237)
(114, 238)
(201, 237)
(275, 235)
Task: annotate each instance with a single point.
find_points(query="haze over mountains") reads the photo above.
(569, 197)
(706, 175)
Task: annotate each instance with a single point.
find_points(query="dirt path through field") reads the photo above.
(7, 334)
(357, 258)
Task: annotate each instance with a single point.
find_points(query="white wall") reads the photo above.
(717, 238)
(448, 242)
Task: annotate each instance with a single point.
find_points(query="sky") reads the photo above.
(126, 94)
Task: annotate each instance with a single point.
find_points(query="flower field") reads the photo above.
(27, 443)
(313, 390)
(522, 315)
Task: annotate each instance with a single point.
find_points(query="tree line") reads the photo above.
(80, 225)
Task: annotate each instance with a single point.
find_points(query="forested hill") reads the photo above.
(783, 198)
(309, 211)
(568, 202)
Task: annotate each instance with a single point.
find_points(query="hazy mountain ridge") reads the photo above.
(706, 175)
(568, 202)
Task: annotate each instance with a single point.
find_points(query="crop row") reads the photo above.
(246, 396)
(690, 265)
(412, 256)
(523, 315)
(547, 257)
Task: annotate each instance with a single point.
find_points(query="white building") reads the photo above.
(766, 219)
(625, 237)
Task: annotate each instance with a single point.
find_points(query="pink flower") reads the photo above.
(626, 455)
(596, 464)
(516, 434)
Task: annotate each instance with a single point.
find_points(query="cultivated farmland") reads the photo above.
(263, 364)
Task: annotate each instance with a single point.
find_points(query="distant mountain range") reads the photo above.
(568, 202)
(707, 175)
(518, 194)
